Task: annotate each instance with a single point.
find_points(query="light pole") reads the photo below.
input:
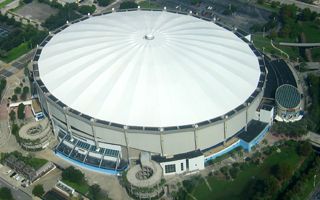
(314, 180)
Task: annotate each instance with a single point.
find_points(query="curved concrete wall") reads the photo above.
(165, 142)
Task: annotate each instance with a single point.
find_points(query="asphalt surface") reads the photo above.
(16, 193)
(279, 73)
(245, 16)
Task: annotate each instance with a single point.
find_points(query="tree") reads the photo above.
(271, 185)
(274, 4)
(307, 15)
(3, 83)
(66, 13)
(94, 191)
(26, 71)
(74, 175)
(17, 90)
(5, 194)
(195, 2)
(263, 188)
(25, 89)
(27, 1)
(234, 172)
(304, 149)
(88, 9)
(281, 172)
(15, 129)
(14, 98)
(260, 2)
(38, 190)
(103, 2)
(12, 115)
(128, 5)
(24, 94)
(21, 113)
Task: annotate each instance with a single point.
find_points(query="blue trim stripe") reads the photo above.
(88, 167)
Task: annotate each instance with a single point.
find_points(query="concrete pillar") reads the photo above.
(55, 132)
(66, 109)
(225, 129)
(195, 136)
(247, 118)
(125, 128)
(94, 134)
(161, 141)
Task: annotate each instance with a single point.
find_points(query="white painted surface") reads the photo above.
(193, 70)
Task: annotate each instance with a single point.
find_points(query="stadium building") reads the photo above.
(180, 87)
(288, 102)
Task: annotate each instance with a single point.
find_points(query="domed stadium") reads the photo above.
(156, 81)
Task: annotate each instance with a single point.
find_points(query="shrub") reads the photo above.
(14, 98)
(87, 9)
(12, 115)
(15, 129)
(25, 89)
(38, 190)
(5, 194)
(21, 114)
(17, 90)
(234, 172)
(103, 2)
(281, 172)
(304, 149)
(73, 175)
(128, 5)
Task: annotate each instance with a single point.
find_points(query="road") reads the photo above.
(290, 44)
(301, 5)
(17, 194)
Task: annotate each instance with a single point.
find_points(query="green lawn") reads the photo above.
(145, 4)
(16, 52)
(236, 189)
(35, 162)
(312, 33)
(81, 188)
(267, 6)
(311, 30)
(264, 42)
(4, 3)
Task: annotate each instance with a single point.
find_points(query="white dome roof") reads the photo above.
(149, 68)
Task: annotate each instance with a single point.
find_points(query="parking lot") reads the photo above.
(245, 16)
(36, 11)
(12, 183)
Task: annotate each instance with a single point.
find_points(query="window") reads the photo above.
(170, 168)
(181, 166)
(187, 163)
